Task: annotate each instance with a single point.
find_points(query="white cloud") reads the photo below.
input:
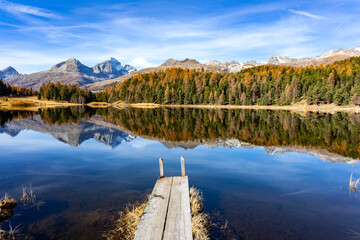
(140, 62)
(25, 9)
(141, 143)
(145, 41)
(307, 14)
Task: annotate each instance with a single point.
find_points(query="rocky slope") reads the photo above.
(9, 73)
(74, 72)
(235, 66)
(111, 72)
(233, 143)
(326, 58)
(213, 66)
(73, 134)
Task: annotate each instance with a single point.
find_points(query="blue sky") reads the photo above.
(35, 35)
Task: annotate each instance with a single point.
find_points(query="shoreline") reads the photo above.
(326, 108)
(33, 104)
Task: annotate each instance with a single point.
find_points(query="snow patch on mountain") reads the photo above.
(232, 66)
(9, 73)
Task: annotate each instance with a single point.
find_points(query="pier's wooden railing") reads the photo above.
(167, 215)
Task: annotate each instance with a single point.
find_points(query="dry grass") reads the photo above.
(20, 103)
(130, 218)
(7, 206)
(11, 234)
(31, 103)
(300, 107)
(127, 223)
(200, 223)
(7, 203)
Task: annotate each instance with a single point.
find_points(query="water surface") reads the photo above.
(264, 174)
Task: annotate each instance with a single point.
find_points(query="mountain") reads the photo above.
(170, 63)
(112, 68)
(212, 66)
(9, 73)
(111, 72)
(184, 63)
(326, 58)
(73, 134)
(74, 72)
(229, 67)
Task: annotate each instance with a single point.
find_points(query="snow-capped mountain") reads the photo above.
(233, 66)
(73, 134)
(326, 58)
(74, 72)
(9, 73)
(111, 71)
(112, 68)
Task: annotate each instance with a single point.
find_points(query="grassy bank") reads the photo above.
(299, 107)
(130, 218)
(32, 103)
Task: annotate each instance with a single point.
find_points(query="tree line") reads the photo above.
(7, 90)
(337, 83)
(65, 92)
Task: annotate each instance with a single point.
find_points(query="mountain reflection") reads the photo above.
(332, 137)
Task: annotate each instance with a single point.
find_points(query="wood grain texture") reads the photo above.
(151, 226)
(178, 222)
(161, 167)
(182, 166)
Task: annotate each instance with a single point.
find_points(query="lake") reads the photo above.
(264, 174)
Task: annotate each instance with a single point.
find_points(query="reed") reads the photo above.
(130, 218)
(353, 184)
(7, 203)
(11, 233)
(200, 221)
(127, 223)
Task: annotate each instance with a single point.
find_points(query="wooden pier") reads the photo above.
(167, 215)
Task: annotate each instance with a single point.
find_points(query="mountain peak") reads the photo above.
(111, 59)
(173, 62)
(70, 65)
(9, 69)
(326, 58)
(9, 73)
(72, 60)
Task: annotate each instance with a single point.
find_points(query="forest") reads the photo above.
(7, 90)
(65, 92)
(337, 83)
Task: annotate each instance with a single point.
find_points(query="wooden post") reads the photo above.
(182, 166)
(161, 165)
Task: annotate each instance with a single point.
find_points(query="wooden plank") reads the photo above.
(178, 220)
(151, 226)
(161, 166)
(182, 166)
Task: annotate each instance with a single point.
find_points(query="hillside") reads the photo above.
(337, 83)
(234, 66)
